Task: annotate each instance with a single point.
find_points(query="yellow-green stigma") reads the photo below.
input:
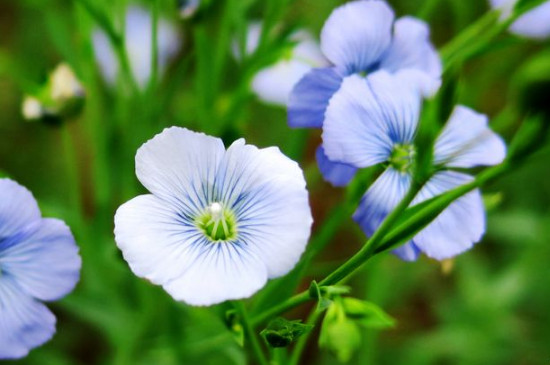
(218, 223)
(402, 157)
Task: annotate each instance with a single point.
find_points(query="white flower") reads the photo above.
(274, 83)
(218, 223)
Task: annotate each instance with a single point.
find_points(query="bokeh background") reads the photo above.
(488, 306)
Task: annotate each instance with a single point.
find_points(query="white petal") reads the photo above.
(357, 34)
(366, 117)
(105, 57)
(269, 197)
(139, 42)
(308, 50)
(180, 166)
(24, 322)
(466, 141)
(411, 49)
(18, 209)
(459, 226)
(162, 244)
(274, 84)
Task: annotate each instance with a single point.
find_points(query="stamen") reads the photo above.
(217, 223)
(402, 157)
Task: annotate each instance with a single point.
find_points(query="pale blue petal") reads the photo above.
(407, 252)
(411, 49)
(357, 34)
(337, 173)
(367, 117)
(384, 195)
(163, 245)
(24, 322)
(534, 24)
(180, 166)
(309, 98)
(467, 141)
(105, 57)
(138, 42)
(18, 209)
(44, 262)
(459, 226)
(267, 191)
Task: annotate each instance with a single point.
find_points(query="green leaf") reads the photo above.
(415, 218)
(281, 332)
(367, 314)
(523, 6)
(339, 334)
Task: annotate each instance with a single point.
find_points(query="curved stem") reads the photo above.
(249, 333)
(371, 247)
(281, 308)
(116, 39)
(302, 341)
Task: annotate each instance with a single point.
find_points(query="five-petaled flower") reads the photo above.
(219, 222)
(39, 261)
(364, 128)
(359, 38)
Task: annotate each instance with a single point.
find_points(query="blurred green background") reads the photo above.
(489, 306)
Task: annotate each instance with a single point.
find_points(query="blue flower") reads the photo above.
(359, 38)
(219, 222)
(533, 24)
(138, 43)
(364, 128)
(39, 261)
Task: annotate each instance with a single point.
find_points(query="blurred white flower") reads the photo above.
(274, 83)
(138, 42)
(533, 24)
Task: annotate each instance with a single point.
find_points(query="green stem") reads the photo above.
(281, 308)
(379, 243)
(154, 46)
(73, 176)
(250, 334)
(116, 39)
(302, 341)
(369, 249)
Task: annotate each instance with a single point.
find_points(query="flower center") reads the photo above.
(402, 157)
(218, 223)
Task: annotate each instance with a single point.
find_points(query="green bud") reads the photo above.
(367, 314)
(339, 334)
(281, 332)
(61, 97)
